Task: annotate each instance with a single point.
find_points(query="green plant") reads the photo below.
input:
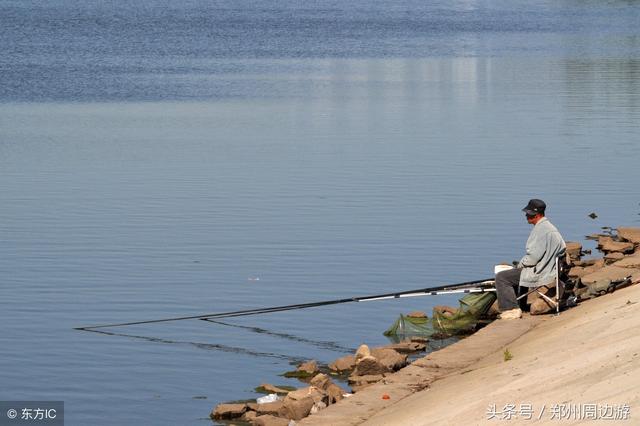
(507, 355)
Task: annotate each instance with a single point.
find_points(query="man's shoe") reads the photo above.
(511, 314)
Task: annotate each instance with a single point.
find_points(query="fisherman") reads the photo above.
(537, 267)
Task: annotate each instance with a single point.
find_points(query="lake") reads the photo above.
(161, 159)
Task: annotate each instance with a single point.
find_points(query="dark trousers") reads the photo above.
(507, 289)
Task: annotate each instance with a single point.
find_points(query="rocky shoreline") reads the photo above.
(374, 368)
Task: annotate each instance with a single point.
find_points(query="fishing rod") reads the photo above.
(477, 286)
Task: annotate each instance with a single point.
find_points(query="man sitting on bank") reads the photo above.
(537, 267)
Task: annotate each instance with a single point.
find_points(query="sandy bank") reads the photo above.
(588, 356)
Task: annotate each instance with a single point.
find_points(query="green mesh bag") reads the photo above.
(409, 326)
(472, 307)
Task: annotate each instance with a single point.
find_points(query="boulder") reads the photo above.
(317, 407)
(632, 261)
(607, 245)
(629, 234)
(541, 306)
(369, 365)
(390, 358)
(406, 346)
(596, 266)
(606, 274)
(586, 262)
(249, 416)
(334, 393)
(613, 256)
(309, 367)
(576, 272)
(363, 351)
(273, 408)
(358, 383)
(417, 314)
(297, 404)
(268, 388)
(345, 363)
(228, 411)
(320, 381)
(574, 250)
(447, 311)
(268, 420)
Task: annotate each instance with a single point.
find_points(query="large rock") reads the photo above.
(320, 381)
(612, 257)
(607, 274)
(309, 367)
(268, 420)
(406, 346)
(607, 245)
(576, 272)
(629, 234)
(334, 393)
(269, 388)
(596, 266)
(358, 383)
(632, 261)
(228, 411)
(369, 365)
(574, 250)
(273, 408)
(345, 363)
(417, 314)
(363, 351)
(390, 358)
(297, 404)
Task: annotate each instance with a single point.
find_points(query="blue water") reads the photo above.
(156, 157)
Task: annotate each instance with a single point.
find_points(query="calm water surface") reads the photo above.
(154, 157)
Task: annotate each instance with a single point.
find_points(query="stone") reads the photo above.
(309, 367)
(335, 393)
(297, 404)
(597, 265)
(358, 383)
(613, 256)
(541, 306)
(632, 261)
(369, 365)
(268, 388)
(391, 359)
(417, 314)
(586, 262)
(228, 411)
(447, 311)
(249, 416)
(317, 407)
(345, 363)
(273, 408)
(576, 272)
(363, 351)
(607, 244)
(629, 234)
(320, 381)
(606, 274)
(406, 347)
(574, 250)
(268, 420)
(494, 310)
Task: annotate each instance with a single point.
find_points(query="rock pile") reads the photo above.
(592, 277)
(295, 405)
(365, 367)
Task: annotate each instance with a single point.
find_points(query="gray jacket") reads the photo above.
(543, 245)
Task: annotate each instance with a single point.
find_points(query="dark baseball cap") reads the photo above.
(535, 207)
